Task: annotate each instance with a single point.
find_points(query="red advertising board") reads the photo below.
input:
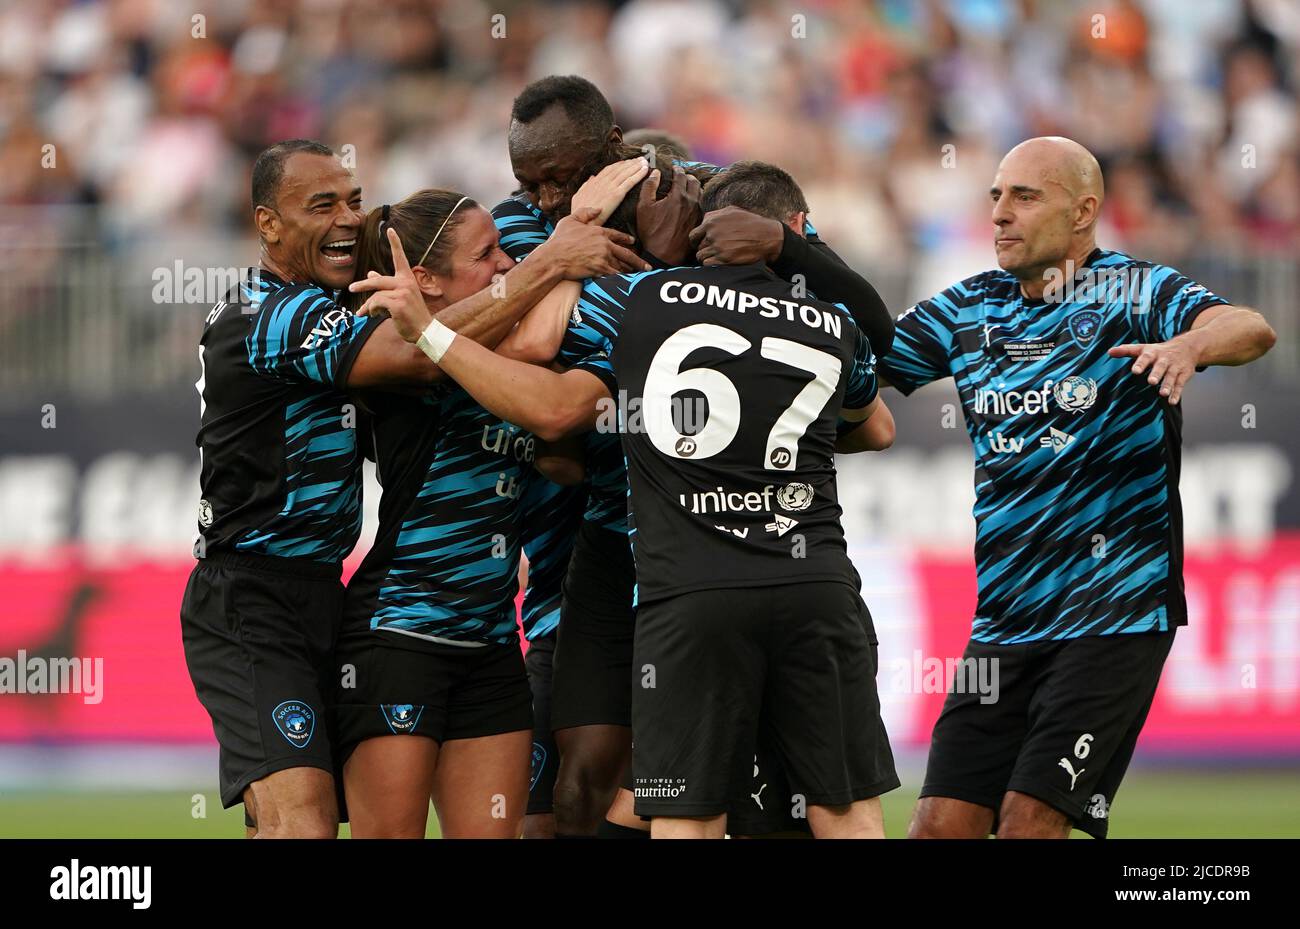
(1232, 683)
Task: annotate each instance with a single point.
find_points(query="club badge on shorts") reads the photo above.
(296, 722)
(401, 717)
(539, 764)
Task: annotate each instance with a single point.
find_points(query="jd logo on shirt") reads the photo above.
(296, 722)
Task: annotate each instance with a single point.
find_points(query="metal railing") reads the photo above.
(83, 314)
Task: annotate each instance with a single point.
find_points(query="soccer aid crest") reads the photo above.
(401, 717)
(1084, 326)
(795, 496)
(1075, 393)
(296, 722)
(539, 764)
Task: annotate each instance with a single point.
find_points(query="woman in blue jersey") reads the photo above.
(432, 700)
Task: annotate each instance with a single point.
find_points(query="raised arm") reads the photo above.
(733, 236)
(537, 338)
(576, 251)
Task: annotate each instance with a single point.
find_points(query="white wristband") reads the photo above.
(435, 340)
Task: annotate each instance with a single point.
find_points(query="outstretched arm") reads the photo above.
(548, 404)
(1221, 335)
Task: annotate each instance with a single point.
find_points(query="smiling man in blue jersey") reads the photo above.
(1070, 362)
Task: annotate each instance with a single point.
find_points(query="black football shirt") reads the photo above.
(728, 391)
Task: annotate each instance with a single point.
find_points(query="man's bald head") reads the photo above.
(1062, 161)
(1046, 201)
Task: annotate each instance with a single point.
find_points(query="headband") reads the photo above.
(440, 228)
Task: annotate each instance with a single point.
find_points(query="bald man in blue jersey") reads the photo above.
(1070, 362)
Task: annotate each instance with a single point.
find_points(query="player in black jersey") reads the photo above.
(712, 510)
(562, 129)
(280, 477)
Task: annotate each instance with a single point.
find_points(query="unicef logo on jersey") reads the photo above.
(795, 497)
(296, 722)
(1075, 393)
(401, 717)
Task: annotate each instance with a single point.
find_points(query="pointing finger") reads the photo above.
(400, 264)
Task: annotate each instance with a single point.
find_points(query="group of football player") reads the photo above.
(635, 373)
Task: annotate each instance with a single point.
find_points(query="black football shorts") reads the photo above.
(798, 654)
(546, 757)
(593, 650)
(259, 635)
(400, 685)
(1062, 728)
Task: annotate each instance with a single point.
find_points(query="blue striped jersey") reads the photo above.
(592, 331)
(1078, 520)
(521, 226)
(280, 465)
(551, 514)
(445, 563)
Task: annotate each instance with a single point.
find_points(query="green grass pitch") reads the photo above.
(1151, 804)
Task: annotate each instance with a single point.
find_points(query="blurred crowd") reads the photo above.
(892, 113)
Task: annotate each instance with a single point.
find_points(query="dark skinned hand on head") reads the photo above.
(732, 236)
(663, 225)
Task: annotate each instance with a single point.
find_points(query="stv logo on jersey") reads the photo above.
(296, 722)
(1084, 326)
